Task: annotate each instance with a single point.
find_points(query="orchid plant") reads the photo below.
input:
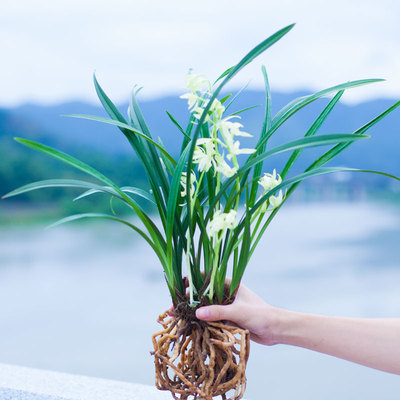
(214, 201)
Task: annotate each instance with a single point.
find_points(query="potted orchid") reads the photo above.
(214, 202)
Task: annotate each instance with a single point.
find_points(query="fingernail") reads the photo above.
(202, 313)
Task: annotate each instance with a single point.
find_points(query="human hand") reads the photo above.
(248, 311)
(373, 342)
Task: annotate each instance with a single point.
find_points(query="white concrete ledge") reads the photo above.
(21, 383)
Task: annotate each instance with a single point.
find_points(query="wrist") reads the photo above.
(284, 326)
(274, 327)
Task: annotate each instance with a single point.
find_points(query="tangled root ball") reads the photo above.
(200, 360)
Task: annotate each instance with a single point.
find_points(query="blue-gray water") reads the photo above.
(84, 298)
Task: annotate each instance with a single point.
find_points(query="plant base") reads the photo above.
(200, 360)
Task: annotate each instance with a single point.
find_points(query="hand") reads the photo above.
(373, 342)
(248, 311)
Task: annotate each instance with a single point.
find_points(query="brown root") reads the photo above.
(200, 360)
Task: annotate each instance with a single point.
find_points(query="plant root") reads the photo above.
(200, 360)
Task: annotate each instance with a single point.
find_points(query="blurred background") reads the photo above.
(83, 298)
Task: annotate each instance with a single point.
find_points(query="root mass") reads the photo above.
(200, 360)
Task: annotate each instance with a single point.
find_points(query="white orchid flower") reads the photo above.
(195, 82)
(224, 168)
(216, 225)
(230, 128)
(221, 222)
(230, 219)
(192, 99)
(204, 156)
(269, 181)
(276, 201)
(198, 112)
(216, 108)
(192, 182)
(236, 150)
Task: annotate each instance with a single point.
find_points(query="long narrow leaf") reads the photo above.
(244, 110)
(330, 154)
(176, 123)
(265, 128)
(243, 257)
(126, 127)
(286, 112)
(66, 158)
(52, 183)
(172, 204)
(169, 166)
(136, 144)
(236, 95)
(107, 103)
(140, 123)
(126, 189)
(312, 131)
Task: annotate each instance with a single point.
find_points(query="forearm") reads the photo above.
(371, 342)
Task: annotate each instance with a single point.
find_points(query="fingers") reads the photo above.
(215, 313)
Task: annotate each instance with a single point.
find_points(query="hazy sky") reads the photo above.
(49, 49)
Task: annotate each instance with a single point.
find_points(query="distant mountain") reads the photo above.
(45, 123)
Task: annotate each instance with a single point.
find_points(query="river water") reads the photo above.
(84, 298)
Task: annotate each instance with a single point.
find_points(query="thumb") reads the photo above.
(214, 313)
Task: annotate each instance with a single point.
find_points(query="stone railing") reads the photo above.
(21, 383)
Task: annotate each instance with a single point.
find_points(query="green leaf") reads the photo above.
(107, 103)
(127, 189)
(76, 217)
(176, 123)
(167, 163)
(303, 143)
(286, 112)
(236, 96)
(52, 183)
(330, 154)
(244, 256)
(224, 99)
(224, 74)
(312, 131)
(74, 162)
(139, 192)
(161, 184)
(173, 196)
(172, 205)
(126, 127)
(265, 127)
(255, 52)
(244, 110)
(146, 157)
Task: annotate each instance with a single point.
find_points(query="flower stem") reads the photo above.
(214, 268)
(190, 278)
